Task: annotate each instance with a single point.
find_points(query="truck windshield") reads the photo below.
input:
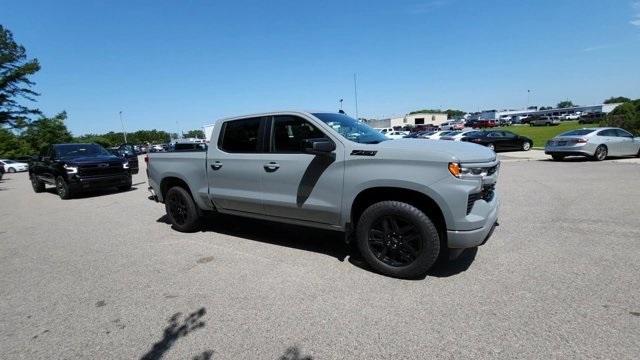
(351, 129)
(69, 151)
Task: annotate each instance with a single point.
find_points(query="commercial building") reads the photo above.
(514, 114)
(426, 118)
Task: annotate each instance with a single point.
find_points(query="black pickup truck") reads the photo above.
(74, 168)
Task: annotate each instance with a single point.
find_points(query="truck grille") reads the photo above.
(100, 169)
(487, 194)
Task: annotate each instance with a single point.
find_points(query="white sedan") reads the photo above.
(11, 166)
(396, 134)
(456, 135)
(438, 134)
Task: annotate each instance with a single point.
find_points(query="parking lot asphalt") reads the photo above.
(104, 277)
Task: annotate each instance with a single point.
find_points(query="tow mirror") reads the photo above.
(321, 146)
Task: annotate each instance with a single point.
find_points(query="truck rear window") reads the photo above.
(240, 136)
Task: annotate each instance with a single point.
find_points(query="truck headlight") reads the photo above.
(70, 169)
(125, 165)
(462, 172)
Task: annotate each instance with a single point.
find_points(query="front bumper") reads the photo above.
(459, 239)
(99, 182)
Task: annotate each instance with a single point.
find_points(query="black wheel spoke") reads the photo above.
(394, 240)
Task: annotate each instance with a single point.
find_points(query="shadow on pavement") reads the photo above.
(177, 328)
(180, 327)
(316, 240)
(298, 237)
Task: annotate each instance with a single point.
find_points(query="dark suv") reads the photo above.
(73, 168)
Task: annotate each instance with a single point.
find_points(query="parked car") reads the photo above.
(405, 202)
(505, 122)
(595, 143)
(73, 168)
(438, 134)
(498, 140)
(573, 116)
(591, 118)
(12, 166)
(452, 125)
(457, 135)
(396, 134)
(419, 134)
(543, 121)
(481, 124)
(385, 130)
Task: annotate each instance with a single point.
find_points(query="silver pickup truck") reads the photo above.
(405, 202)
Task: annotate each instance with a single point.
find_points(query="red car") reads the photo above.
(485, 124)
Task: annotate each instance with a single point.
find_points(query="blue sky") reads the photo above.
(181, 64)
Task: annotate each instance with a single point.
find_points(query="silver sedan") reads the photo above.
(596, 143)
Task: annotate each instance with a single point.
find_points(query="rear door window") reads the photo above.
(608, 132)
(240, 136)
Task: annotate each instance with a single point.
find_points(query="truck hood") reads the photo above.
(88, 160)
(463, 152)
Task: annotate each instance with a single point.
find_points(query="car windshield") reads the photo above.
(351, 129)
(578, 132)
(8, 161)
(68, 151)
(453, 133)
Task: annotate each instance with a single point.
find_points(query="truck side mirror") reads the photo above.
(321, 146)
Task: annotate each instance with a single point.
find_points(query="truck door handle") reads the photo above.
(216, 165)
(272, 166)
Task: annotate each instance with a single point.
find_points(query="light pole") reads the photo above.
(528, 96)
(123, 128)
(341, 103)
(355, 90)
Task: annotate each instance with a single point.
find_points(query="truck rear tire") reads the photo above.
(182, 210)
(398, 239)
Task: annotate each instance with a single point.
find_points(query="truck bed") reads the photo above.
(187, 166)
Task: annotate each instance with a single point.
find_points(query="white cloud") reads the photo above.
(636, 17)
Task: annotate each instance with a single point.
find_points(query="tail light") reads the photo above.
(581, 141)
(146, 158)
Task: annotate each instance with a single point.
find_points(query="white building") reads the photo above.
(426, 119)
(502, 114)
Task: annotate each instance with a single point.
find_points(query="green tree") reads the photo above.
(12, 146)
(617, 99)
(194, 134)
(626, 116)
(565, 104)
(15, 70)
(45, 131)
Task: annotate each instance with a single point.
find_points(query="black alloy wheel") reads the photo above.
(394, 240)
(397, 239)
(62, 188)
(181, 210)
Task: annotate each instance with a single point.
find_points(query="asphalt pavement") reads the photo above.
(105, 277)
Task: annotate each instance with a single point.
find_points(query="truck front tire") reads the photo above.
(181, 210)
(38, 185)
(398, 239)
(62, 188)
